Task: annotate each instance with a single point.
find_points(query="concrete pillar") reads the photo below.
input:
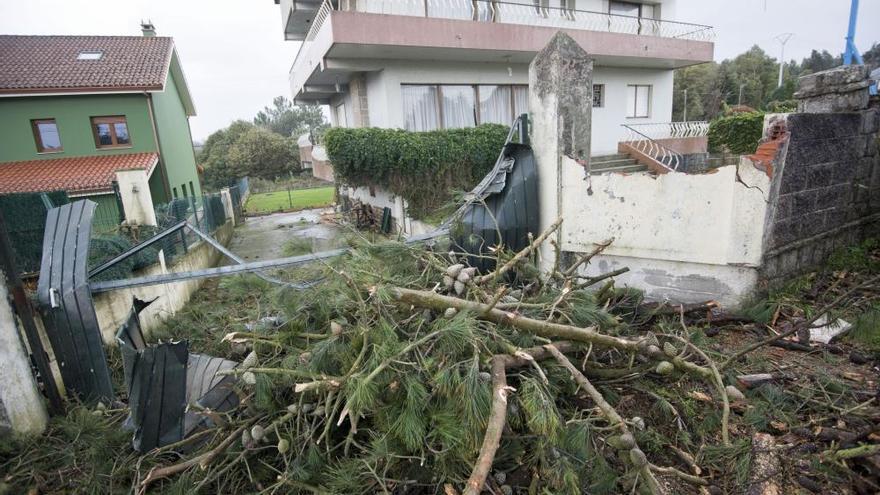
(560, 109)
(21, 405)
(228, 209)
(134, 188)
(360, 110)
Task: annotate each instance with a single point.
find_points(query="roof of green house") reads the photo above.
(65, 64)
(76, 175)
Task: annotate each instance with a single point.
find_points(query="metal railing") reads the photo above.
(507, 12)
(522, 13)
(648, 146)
(672, 130)
(318, 22)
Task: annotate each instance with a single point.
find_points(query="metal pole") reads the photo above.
(850, 50)
(685, 116)
(782, 39)
(740, 99)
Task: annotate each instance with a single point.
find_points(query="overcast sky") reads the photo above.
(236, 60)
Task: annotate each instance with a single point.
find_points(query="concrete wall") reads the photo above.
(386, 103)
(113, 307)
(21, 404)
(684, 237)
(134, 191)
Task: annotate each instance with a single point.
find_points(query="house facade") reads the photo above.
(78, 111)
(431, 64)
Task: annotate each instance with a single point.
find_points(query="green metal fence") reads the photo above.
(205, 213)
(25, 216)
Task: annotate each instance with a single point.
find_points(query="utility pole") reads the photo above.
(685, 116)
(739, 100)
(782, 39)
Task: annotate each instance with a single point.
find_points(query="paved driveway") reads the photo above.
(263, 237)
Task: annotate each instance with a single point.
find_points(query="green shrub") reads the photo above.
(422, 167)
(737, 133)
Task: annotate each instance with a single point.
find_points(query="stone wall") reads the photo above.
(825, 191)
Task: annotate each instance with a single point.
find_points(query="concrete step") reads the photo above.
(620, 162)
(604, 158)
(626, 169)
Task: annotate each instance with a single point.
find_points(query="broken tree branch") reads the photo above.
(796, 328)
(635, 454)
(158, 473)
(492, 438)
(521, 254)
(432, 300)
(587, 257)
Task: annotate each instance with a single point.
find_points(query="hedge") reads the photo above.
(738, 133)
(422, 167)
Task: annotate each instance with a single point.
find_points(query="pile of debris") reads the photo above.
(408, 371)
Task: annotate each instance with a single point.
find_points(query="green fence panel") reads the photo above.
(25, 216)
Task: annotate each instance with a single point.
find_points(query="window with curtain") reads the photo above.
(625, 8)
(458, 106)
(520, 100)
(638, 101)
(449, 106)
(495, 105)
(421, 109)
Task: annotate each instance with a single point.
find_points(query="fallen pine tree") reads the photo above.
(405, 371)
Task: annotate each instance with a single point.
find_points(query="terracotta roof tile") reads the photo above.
(76, 175)
(30, 64)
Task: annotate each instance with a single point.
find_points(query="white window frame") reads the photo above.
(601, 95)
(633, 113)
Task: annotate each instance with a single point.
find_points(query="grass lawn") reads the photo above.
(299, 199)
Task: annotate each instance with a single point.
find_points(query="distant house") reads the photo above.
(75, 110)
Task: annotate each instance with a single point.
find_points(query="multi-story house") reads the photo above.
(76, 110)
(430, 64)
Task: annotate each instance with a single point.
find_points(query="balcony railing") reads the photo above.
(508, 12)
(672, 130)
(648, 139)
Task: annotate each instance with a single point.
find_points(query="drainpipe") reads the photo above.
(161, 164)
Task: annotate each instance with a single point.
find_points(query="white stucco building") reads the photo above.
(429, 64)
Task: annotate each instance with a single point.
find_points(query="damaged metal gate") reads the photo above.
(65, 302)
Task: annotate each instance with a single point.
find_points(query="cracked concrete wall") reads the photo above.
(684, 237)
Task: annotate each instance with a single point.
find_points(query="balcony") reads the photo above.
(296, 17)
(478, 31)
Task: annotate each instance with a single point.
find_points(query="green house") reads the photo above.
(74, 110)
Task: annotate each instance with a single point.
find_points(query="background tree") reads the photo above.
(289, 120)
(819, 61)
(872, 56)
(712, 87)
(264, 154)
(214, 157)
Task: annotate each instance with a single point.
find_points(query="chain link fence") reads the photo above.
(206, 213)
